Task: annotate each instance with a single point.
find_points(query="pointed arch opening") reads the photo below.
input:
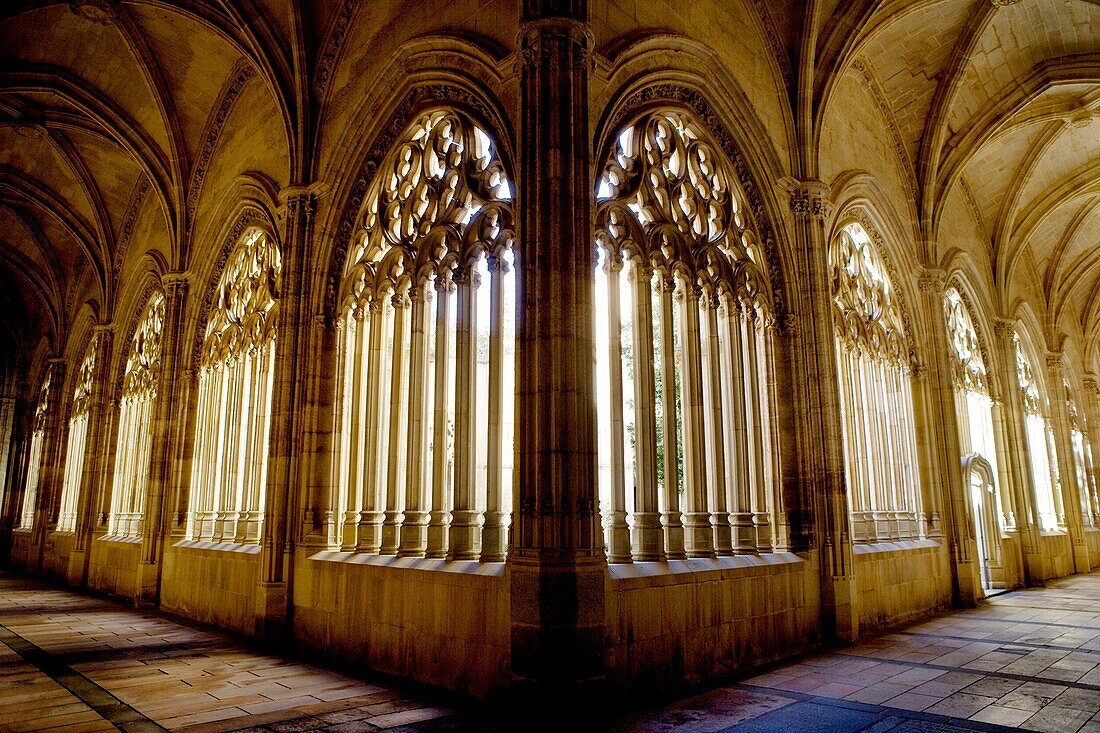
(140, 383)
(685, 357)
(876, 397)
(76, 442)
(1041, 452)
(236, 368)
(426, 322)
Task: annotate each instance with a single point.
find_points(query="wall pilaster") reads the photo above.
(166, 425)
(287, 404)
(557, 567)
(945, 454)
(822, 465)
(1067, 473)
(1012, 450)
(95, 455)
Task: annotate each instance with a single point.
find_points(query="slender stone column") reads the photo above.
(557, 567)
(944, 454)
(619, 540)
(442, 469)
(167, 413)
(744, 534)
(714, 395)
(1014, 460)
(1071, 491)
(464, 536)
(1090, 409)
(287, 405)
(52, 469)
(493, 533)
(414, 530)
(823, 469)
(648, 538)
(399, 419)
(94, 477)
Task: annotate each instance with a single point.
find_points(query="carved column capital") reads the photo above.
(810, 199)
(1004, 328)
(175, 284)
(932, 280)
(1090, 384)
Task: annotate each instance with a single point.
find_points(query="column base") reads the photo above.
(147, 590)
(271, 611)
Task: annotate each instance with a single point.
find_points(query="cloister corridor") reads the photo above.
(1027, 659)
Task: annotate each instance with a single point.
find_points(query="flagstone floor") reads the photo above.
(1027, 659)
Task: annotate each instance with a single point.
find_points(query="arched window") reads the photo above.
(135, 422)
(1082, 463)
(426, 354)
(688, 459)
(229, 473)
(973, 404)
(1040, 443)
(78, 438)
(34, 462)
(876, 399)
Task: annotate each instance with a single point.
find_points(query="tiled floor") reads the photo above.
(1028, 659)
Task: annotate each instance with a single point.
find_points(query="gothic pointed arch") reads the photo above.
(235, 364)
(425, 326)
(685, 354)
(874, 370)
(141, 365)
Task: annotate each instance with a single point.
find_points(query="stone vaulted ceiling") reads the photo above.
(996, 101)
(109, 109)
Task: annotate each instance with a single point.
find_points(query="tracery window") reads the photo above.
(876, 400)
(78, 439)
(688, 460)
(973, 403)
(34, 463)
(1082, 463)
(1040, 444)
(229, 471)
(135, 423)
(426, 354)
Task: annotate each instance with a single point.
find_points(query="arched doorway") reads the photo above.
(985, 509)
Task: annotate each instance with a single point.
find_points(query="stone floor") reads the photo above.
(1027, 659)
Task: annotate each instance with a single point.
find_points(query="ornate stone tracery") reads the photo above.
(244, 315)
(967, 365)
(865, 310)
(143, 363)
(690, 300)
(1025, 379)
(434, 228)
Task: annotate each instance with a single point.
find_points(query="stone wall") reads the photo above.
(442, 623)
(901, 581)
(215, 586)
(675, 624)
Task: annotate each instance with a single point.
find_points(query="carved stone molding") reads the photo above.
(421, 97)
(810, 199)
(1054, 361)
(101, 12)
(333, 44)
(1004, 328)
(129, 220)
(242, 73)
(1003, 3)
(680, 96)
(249, 216)
(932, 281)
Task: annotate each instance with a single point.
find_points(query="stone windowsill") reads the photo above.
(894, 546)
(218, 546)
(439, 565)
(693, 567)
